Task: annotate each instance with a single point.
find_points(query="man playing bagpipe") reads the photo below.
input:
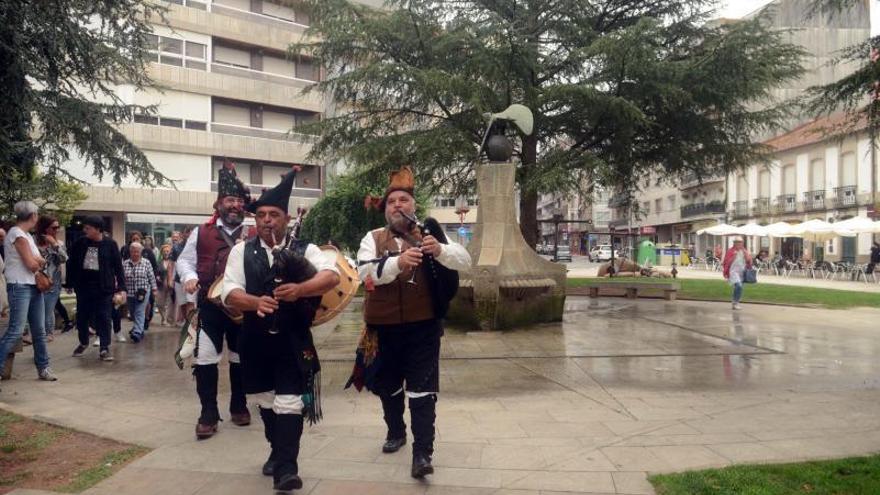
(414, 274)
(200, 264)
(276, 281)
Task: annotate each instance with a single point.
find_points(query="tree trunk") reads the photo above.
(528, 199)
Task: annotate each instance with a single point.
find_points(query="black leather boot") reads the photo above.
(237, 403)
(206, 387)
(393, 408)
(287, 434)
(268, 416)
(422, 413)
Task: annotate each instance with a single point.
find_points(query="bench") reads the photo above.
(670, 289)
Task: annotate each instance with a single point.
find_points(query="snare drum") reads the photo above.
(214, 295)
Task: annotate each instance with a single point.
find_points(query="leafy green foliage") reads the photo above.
(618, 89)
(341, 215)
(52, 194)
(62, 62)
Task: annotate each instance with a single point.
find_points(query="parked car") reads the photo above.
(563, 253)
(602, 252)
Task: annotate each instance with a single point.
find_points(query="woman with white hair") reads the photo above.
(736, 260)
(141, 283)
(23, 260)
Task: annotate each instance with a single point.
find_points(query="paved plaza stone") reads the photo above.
(619, 389)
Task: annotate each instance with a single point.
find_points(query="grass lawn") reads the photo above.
(719, 290)
(42, 456)
(853, 476)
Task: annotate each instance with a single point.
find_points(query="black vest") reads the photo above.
(260, 281)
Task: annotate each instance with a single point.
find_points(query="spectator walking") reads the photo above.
(140, 282)
(52, 250)
(736, 260)
(875, 257)
(165, 299)
(136, 236)
(94, 271)
(23, 260)
(4, 298)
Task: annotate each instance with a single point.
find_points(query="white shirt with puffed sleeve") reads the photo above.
(452, 255)
(234, 277)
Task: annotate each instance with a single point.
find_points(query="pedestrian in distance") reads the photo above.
(736, 261)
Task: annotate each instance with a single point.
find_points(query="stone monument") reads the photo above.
(509, 285)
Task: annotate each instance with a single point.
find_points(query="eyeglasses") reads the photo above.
(55, 227)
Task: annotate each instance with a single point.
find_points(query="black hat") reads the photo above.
(228, 183)
(94, 221)
(278, 196)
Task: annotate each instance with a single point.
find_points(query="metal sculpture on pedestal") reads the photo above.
(509, 285)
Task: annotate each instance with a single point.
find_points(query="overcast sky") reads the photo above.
(737, 8)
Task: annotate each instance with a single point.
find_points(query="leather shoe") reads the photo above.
(241, 419)
(287, 482)
(205, 431)
(393, 444)
(269, 467)
(421, 466)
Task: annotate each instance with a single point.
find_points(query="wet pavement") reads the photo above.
(619, 389)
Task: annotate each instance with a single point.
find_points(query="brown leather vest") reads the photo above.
(398, 301)
(212, 251)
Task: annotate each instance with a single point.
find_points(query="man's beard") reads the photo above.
(231, 217)
(399, 224)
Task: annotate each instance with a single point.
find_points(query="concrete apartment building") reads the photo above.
(230, 93)
(690, 204)
(812, 176)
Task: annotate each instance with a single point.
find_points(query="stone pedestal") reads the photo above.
(509, 284)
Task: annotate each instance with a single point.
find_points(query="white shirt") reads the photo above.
(16, 272)
(453, 256)
(188, 259)
(234, 277)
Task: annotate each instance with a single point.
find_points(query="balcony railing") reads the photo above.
(844, 196)
(258, 132)
(740, 209)
(786, 203)
(691, 180)
(697, 209)
(814, 200)
(232, 70)
(762, 206)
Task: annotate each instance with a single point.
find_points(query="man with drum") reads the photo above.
(281, 369)
(201, 263)
(403, 309)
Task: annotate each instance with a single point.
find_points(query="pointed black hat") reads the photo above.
(278, 196)
(228, 183)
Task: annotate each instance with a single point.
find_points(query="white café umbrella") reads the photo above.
(752, 229)
(720, 229)
(819, 230)
(780, 229)
(858, 225)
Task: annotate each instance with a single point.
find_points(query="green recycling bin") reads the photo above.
(647, 254)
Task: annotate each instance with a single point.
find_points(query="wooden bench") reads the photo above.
(670, 289)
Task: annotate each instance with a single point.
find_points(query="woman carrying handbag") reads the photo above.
(737, 261)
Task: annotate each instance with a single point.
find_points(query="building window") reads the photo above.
(196, 125)
(646, 207)
(177, 52)
(671, 201)
(658, 205)
(146, 119)
(169, 122)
